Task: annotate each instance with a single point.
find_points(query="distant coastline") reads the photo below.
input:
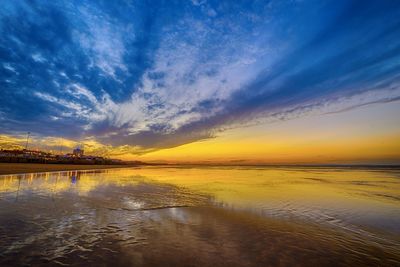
(20, 168)
(265, 165)
(37, 156)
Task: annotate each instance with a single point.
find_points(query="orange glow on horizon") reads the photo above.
(365, 135)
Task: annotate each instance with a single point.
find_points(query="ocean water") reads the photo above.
(202, 216)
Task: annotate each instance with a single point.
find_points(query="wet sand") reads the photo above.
(219, 216)
(15, 168)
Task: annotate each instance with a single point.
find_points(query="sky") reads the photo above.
(304, 81)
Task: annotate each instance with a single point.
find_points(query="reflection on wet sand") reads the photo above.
(201, 217)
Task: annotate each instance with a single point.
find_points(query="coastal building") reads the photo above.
(78, 152)
(36, 156)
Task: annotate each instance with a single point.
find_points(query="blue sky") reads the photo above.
(157, 74)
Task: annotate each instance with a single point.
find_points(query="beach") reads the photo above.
(15, 168)
(201, 216)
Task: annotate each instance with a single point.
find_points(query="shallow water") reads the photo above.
(202, 216)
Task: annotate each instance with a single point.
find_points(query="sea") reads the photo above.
(202, 216)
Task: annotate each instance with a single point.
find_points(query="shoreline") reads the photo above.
(18, 168)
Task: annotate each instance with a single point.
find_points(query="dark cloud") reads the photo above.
(163, 75)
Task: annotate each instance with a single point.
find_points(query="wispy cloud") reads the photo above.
(144, 77)
(102, 40)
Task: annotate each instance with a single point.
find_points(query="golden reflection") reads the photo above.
(233, 186)
(161, 212)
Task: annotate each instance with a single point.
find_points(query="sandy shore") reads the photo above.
(13, 168)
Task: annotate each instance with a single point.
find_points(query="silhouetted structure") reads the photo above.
(36, 156)
(78, 152)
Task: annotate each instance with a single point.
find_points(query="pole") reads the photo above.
(61, 145)
(27, 139)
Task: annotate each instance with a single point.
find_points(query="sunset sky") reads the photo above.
(304, 81)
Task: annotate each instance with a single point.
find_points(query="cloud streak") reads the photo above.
(150, 77)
